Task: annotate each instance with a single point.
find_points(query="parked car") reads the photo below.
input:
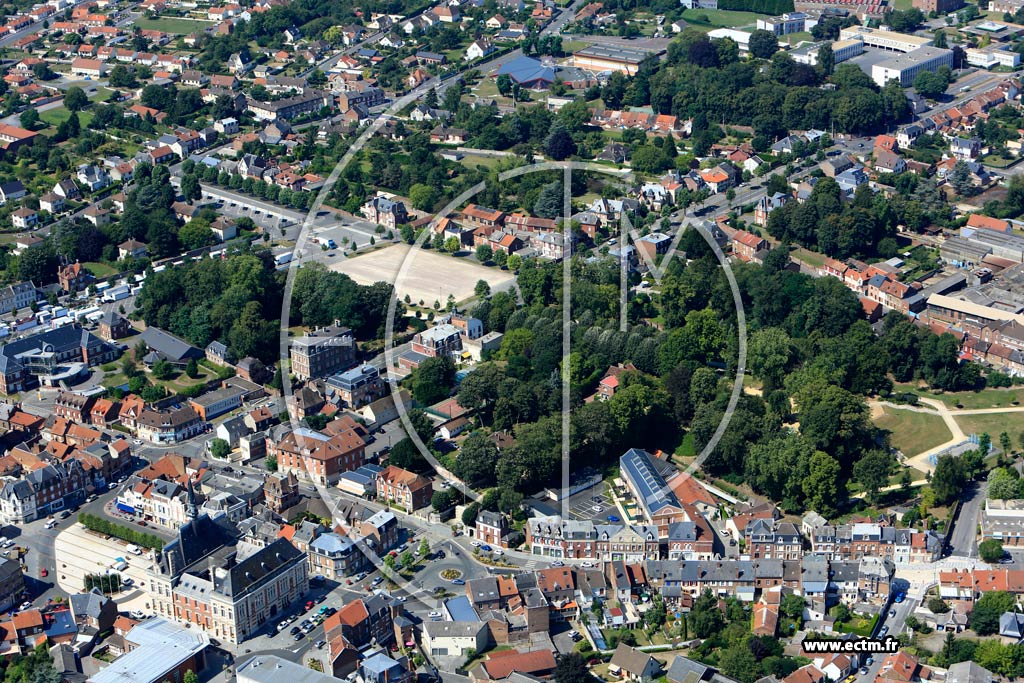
(435, 614)
(137, 614)
(320, 644)
(558, 563)
(458, 582)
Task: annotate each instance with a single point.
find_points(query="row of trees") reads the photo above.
(102, 525)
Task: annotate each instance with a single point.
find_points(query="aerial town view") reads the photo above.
(511, 341)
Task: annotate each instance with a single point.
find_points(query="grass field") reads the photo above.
(811, 258)
(970, 400)
(993, 425)
(913, 432)
(99, 269)
(55, 117)
(172, 25)
(720, 18)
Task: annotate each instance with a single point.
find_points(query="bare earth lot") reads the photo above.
(429, 276)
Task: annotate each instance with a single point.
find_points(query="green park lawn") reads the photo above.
(993, 425)
(970, 400)
(57, 116)
(720, 18)
(172, 25)
(913, 432)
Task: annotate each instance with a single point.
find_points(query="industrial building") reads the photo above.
(610, 58)
(905, 68)
(841, 51)
(992, 56)
(884, 40)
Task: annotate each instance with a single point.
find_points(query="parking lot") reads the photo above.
(595, 503)
(79, 552)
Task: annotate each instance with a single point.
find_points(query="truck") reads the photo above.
(326, 242)
(284, 258)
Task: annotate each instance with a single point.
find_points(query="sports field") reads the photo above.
(428, 277)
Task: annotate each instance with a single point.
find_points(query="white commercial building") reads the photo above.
(841, 51)
(905, 68)
(884, 40)
(742, 38)
(991, 56)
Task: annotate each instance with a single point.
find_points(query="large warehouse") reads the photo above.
(905, 68)
(610, 58)
(884, 40)
(528, 73)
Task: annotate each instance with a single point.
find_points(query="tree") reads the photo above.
(826, 59)
(190, 187)
(984, 619)
(763, 44)
(739, 663)
(948, 479)
(706, 618)
(424, 548)
(991, 550)
(163, 370)
(422, 197)
(219, 448)
(75, 99)
(930, 84)
(442, 499)
(477, 462)
(192, 369)
(559, 144)
(484, 253)
(408, 560)
(792, 606)
(504, 84)
(433, 379)
(872, 471)
(482, 290)
(470, 513)
(549, 202)
(938, 605)
(571, 667)
(190, 677)
(29, 118)
(271, 463)
(822, 484)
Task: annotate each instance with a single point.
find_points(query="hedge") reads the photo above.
(105, 526)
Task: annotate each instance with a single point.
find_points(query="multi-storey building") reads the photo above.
(168, 426)
(74, 407)
(43, 491)
(358, 386)
(318, 457)
(411, 491)
(856, 541)
(202, 578)
(440, 340)
(771, 540)
(48, 356)
(334, 556)
(322, 352)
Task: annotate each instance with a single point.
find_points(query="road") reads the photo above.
(963, 540)
(895, 625)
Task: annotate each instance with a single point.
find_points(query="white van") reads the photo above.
(134, 549)
(121, 566)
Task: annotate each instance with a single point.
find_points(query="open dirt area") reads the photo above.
(429, 276)
(80, 552)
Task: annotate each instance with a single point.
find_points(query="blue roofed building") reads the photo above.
(530, 73)
(335, 556)
(380, 668)
(655, 501)
(460, 609)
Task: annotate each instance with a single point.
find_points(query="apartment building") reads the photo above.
(322, 352)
